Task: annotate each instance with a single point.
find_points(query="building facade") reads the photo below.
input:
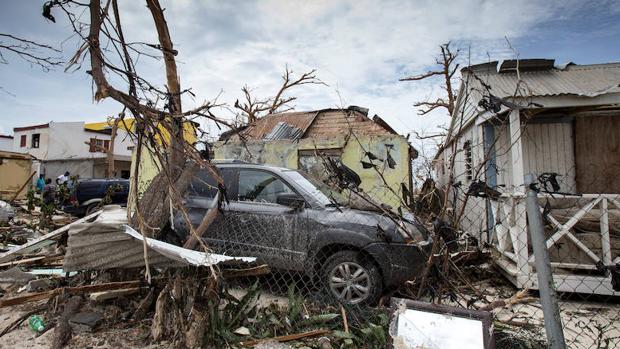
(304, 140)
(71, 146)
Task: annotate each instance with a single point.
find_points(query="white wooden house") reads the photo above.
(530, 116)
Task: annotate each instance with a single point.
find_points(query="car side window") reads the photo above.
(261, 186)
(205, 185)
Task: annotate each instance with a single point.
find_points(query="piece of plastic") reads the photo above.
(36, 323)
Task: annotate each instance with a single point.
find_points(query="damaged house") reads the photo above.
(76, 147)
(560, 123)
(304, 140)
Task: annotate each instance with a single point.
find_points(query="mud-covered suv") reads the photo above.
(292, 222)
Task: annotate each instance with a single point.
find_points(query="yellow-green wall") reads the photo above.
(284, 153)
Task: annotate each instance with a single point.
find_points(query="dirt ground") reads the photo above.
(134, 336)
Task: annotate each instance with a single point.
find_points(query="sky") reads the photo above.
(359, 48)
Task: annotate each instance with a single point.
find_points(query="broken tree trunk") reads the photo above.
(110, 151)
(155, 204)
(62, 333)
(189, 294)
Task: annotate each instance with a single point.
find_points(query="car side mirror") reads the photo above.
(291, 200)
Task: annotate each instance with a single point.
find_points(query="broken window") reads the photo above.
(204, 185)
(99, 145)
(469, 171)
(312, 161)
(261, 186)
(34, 143)
(22, 141)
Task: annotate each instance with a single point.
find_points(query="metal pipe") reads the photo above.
(548, 296)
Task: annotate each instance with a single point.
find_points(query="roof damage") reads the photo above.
(312, 124)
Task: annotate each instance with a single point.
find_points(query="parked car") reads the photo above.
(292, 222)
(91, 194)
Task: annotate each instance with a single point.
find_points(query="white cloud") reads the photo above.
(359, 48)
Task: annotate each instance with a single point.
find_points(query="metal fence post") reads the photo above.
(548, 297)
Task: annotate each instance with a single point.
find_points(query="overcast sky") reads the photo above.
(360, 49)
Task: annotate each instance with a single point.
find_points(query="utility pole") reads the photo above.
(548, 296)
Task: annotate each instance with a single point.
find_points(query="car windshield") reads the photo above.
(325, 195)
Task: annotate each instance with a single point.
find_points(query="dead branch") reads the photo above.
(447, 69)
(518, 298)
(30, 51)
(254, 108)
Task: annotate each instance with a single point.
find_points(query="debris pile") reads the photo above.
(88, 278)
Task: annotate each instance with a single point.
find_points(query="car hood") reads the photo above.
(376, 225)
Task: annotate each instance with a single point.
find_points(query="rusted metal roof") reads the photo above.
(265, 125)
(317, 123)
(283, 131)
(539, 79)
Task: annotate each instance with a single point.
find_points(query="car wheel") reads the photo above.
(351, 279)
(92, 208)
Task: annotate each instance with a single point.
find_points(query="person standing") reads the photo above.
(62, 179)
(40, 183)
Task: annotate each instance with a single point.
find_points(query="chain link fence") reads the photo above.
(332, 254)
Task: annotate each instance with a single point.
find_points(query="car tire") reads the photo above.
(352, 279)
(92, 208)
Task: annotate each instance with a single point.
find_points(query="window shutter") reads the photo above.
(92, 145)
(22, 141)
(106, 145)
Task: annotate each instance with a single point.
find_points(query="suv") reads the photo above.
(91, 194)
(291, 222)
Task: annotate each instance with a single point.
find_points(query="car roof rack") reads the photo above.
(230, 161)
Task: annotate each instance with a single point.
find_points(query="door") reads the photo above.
(597, 154)
(198, 200)
(259, 226)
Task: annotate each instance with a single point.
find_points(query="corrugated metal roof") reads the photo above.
(265, 125)
(579, 80)
(283, 131)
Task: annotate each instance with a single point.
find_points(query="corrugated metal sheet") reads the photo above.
(580, 80)
(283, 131)
(265, 125)
(105, 244)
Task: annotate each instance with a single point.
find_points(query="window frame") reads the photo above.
(36, 137)
(284, 181)
(469, 160)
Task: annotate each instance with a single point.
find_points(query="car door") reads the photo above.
(198, 200)
(261, 227)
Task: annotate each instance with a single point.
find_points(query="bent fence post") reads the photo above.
(548, 296)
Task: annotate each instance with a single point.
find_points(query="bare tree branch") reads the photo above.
(254, 108)
(30, 51)
(447, 69)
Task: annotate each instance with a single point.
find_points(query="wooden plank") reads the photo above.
(605, 242)
(22, 261)
(571, 222)
(42, 241)
(287, 338)
(516, 150)
(106, 295)
(34, 260)
(32, 297)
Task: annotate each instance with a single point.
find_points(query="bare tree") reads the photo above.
(447, 67)
(254, 108)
